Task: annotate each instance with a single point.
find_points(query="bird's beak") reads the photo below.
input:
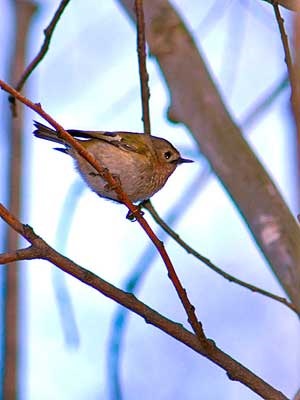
(183, 160)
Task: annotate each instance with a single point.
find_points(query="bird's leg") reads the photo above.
(131, 216)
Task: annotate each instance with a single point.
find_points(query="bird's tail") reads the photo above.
(44, 132)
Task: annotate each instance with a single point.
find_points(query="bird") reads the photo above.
(141, 163)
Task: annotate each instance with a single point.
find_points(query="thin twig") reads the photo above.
(289, 62)
(296, 101)
(234, 369)
(285, 42)
(293, 75)
(148, 206)
(48, 32)
(123, 198)
(144, 77)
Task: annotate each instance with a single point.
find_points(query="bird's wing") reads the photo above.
(117, 139)
(113, 138)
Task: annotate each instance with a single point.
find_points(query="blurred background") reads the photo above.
(77, 344)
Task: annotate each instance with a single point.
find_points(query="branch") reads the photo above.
(285, 42)
(144, 77)
(29, 253)
(48, 32)
(201, 109)
(296, 100)
(148, 206)
(207, 348)
(293, 72)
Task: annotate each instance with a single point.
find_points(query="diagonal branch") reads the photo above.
(148, 206)
(48, 32)
(207, 348)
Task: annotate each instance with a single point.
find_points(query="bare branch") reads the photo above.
(285, 43)
(296, 98)
(206, 347)
(144, 77)
(48, 32)
(29, 253)
(148, 206)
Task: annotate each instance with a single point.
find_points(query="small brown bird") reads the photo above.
(142, 163)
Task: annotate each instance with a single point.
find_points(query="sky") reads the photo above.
(89, 80)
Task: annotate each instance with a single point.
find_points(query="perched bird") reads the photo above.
(142, 163)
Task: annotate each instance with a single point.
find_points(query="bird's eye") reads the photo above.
(168, 155)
